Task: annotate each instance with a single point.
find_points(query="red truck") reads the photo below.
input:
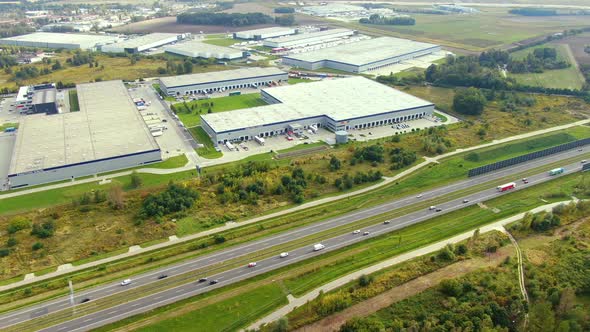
(506, 186)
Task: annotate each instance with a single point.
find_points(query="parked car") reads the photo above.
(252, 264)
(284, 254)
(125, 282)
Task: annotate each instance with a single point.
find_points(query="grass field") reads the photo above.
(8, 125)
(493, 27)
(568, 78)
(172, 162)
(299, 80)
(191, 118)
(208, 151)
(226, 315)
(221, 41)
(74, 104)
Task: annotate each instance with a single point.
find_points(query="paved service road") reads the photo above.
(117, 312)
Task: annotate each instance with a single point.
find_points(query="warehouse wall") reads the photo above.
(198, 88)
(83, 169)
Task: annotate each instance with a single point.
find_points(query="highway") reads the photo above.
(206, 263)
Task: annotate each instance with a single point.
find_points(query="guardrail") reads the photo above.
(521, 159)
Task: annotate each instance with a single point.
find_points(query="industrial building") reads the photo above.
(107, 134)
(196, 49)
(60, 40)
(260, 34)
(362, 56)
(142, 43)
(306, 39)
(221, 80)
(37, 99)
(340, 104)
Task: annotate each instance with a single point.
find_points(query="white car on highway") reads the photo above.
(125, 282)
(356, 231)
(284, 254)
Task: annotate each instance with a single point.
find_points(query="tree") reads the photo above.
(188, 67)
(335, 164)
(365, 280)
(541, 318)
(469, 101)
(362, 324)
(56, 65)
(282, 325)
(136, 181)
(116, 197)
(451, 287)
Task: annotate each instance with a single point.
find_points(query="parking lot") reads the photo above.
(277, 143)
(174, 140)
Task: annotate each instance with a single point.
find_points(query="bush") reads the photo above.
(17, 224)
(451, 287)
(37, 246)
(174, 199)
(4, 252)
(365, 280)
(43, 230)
(136, 180)
(11, 242)
(219, 238)
(470, 101)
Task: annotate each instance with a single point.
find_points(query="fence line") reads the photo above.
(530, 156)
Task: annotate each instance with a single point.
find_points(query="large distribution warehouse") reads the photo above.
(196, 49)
(221, 80)
(142, 43)
(305, 39)
(60, 40)
(107, 134)
(341, 104)
(362, 56)
(260, 34)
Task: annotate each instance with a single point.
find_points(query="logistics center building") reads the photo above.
(340, 104)
(196, 49)
(142, 43)
(221, 80)
(107, 134)
(60, 40)
(306, 39)
(362, 56)
(260, 34)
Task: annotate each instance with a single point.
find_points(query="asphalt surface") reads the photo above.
(203, 265)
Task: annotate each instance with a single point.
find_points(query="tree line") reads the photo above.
(225, 19)
(383, 20)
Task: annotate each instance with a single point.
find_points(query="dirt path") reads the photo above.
(413, 287)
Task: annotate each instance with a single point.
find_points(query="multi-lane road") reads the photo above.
(94, 313)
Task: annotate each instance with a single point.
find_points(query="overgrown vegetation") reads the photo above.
(226, 19)
(383, 20)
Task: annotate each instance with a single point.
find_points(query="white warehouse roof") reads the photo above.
(365, 51)
(47, 39)
(217, 76)
(265, 32)
(144, 42)
(107, 125)
(303, 38)
(196, 49)
(339, 99)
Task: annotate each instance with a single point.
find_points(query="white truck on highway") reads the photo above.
(318, 247)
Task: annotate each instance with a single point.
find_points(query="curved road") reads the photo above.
(186, 290)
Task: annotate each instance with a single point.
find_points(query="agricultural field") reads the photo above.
(189, 112)
(577, 44)
(567, 78)
(492, 28)
(168, 24)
